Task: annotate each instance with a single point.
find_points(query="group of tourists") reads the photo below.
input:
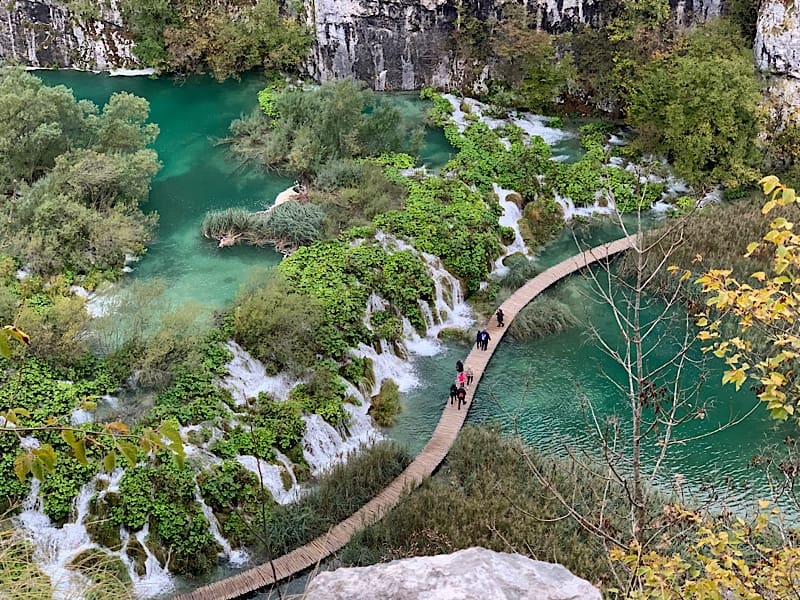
(464, 377)
(458, 390)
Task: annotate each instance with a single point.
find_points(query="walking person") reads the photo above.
(479, 339)
(461, 394)
(485, 337)
(453, 393)
(459, 366)
(461, 379)
(500, 317)
(470, 375)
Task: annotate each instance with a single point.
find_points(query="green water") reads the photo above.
(199, 175)
(539, 389)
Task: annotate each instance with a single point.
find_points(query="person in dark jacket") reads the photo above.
(461, 394)
(500, 317)
(453, 393)
(479, 339)
(459, 366)
(485, 337)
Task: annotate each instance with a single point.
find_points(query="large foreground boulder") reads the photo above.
(472, 574)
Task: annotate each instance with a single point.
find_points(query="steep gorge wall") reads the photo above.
(777, 50)
(406, 44)
(44, 33)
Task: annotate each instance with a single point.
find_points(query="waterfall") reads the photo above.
(271, 476)
(324, 446)
(387, 365)
(55, 547)
(156, 581)
(247, 377)
(533, 125)
(510, 218)
(236, 558)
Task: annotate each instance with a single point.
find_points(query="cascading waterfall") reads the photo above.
(55, 547)
(533, 125)
(270, 475)
(236, 558)
(510, 218)
(247, 377)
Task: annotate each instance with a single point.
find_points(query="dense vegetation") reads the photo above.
(226, 38)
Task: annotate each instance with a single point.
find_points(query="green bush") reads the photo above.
(386, 405)
(544, 316)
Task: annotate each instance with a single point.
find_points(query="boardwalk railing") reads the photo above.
(423, 465)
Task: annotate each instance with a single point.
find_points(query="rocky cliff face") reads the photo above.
(473, 574)
(44, 33)
(406, 44)
(777, 50)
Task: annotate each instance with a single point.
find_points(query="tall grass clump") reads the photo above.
(339, 493)
(544, 316)
(485, 495)
(520, 271)
(103, 576)
(718, 234)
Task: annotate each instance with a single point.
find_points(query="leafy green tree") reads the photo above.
(311, 129)
(699, 107)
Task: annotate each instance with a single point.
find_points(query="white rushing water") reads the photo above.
(56, 547)
(510, 218)
(270, 476)
(235, 558)
(247, 377)
(533, 125)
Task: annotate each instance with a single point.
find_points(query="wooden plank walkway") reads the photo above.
(423, 465)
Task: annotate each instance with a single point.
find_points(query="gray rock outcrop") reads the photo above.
(472, 574)
(407, 44)
(777, 50)
(44, 33)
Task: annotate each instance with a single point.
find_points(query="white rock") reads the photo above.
(472, 574)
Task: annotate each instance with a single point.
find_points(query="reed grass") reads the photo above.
(100, 576)
(546, 315)
(485, 495)
(337, 495)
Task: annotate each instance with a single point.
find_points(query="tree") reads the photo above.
(765, 343)
(698, 106)
(658, 375)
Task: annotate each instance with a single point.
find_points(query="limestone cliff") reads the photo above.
(406, 44)
(473, 574)
(44, 33)
(777, 50)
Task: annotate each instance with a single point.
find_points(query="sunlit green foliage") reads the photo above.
(341, 277)
(446, 218)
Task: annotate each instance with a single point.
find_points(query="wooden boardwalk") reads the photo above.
(423, 465)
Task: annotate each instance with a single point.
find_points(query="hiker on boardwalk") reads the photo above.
(470, 375)
(461, 394)
(485, 337)
(459, 366)
(453, 393)
(500, 317)
(479, 339)
(461, 379)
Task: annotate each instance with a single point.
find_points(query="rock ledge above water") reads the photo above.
(472, 574)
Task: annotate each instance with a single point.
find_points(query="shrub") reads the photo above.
(386, 405)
